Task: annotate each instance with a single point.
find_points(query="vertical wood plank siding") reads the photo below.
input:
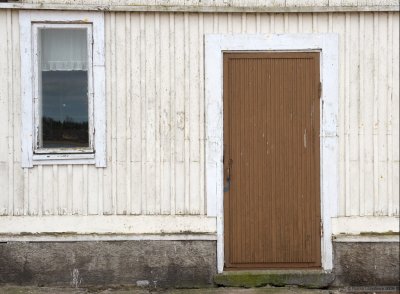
(155, 115)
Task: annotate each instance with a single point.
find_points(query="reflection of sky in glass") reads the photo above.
(65, 95)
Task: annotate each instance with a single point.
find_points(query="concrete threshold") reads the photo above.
(311, 279)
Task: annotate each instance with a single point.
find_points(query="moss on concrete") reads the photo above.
(249, 280)
(306, 279)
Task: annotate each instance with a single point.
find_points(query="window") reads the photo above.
(62, 80)
(63, 83)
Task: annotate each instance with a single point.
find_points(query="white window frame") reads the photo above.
(328, 46)
(30, 23)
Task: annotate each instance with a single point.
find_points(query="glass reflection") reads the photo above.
(64, 85)
(64, 109)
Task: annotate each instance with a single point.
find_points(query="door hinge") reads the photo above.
(321, 228)
(320, 90)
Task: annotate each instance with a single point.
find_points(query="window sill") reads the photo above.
(46, 159)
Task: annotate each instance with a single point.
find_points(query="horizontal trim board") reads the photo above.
(167, 237)
(71, 224)
(185, 225)
(365, 225)
(200, 8)
(106, 237)
(366, 239)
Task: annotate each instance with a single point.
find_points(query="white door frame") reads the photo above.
(327, 44)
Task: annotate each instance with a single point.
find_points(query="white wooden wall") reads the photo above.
(155, 114)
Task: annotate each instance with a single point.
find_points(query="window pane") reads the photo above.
(64, 49)
(64, 105)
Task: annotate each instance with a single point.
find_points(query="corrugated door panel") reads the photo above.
(271, 133)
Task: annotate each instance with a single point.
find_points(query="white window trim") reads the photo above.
(97, 111)
(327, 44)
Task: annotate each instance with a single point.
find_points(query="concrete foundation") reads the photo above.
(180, 264)
(80, 264)
(366, 263)
(313, 279)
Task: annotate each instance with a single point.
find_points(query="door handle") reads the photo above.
(227, 185)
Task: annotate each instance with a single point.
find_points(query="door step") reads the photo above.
(313, 279)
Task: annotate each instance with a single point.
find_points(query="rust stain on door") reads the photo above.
(272, 160)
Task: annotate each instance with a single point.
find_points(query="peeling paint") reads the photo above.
(76, 279)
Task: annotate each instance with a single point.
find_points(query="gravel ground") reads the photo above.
(55, 290)
(11, 289)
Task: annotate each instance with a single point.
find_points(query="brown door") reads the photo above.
(271, 160)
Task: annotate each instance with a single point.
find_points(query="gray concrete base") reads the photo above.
(355, 264)
(366, 263)
(138, 263)
(181, 264)
(316, 279)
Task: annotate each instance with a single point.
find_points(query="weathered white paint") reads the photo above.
(327, 44)
(365, 224)
(152, 163)
(211, 5)
(94, 22)
(106, 237)
(107, 225)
